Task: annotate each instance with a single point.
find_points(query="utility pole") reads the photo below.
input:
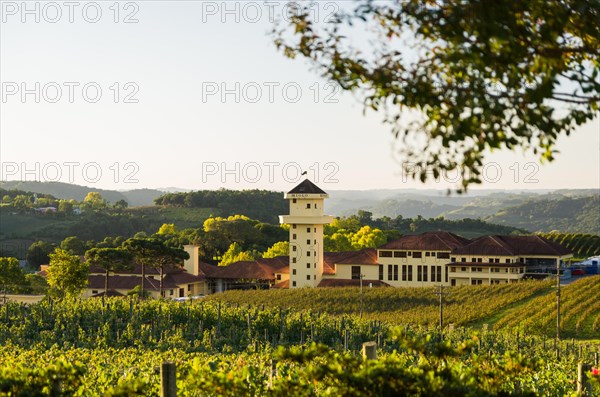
(361, 294)
(440, 293)
(557, 300)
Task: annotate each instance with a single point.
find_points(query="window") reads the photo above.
(315, 265)
(307, 253)
(385, 254)
(439, 273)
(315, 205)
(444, 255)
(94, 291)
(308, 276)
(314, 276)
(381, 272)
(355, 272)
(315, 229)
(189, 287)
(293, 260)
(508, 261)
(395, 272)
(294, 272)
(419, 273)
(294, 248)
(452, 269)
(293, 226)
(410, 273)
(399, 254)
(446, 275)
(293, 283)
(170, 292)
(315, 241)
(308, 230)
(294, 201)
(425, 273)
(308, 205)
(294, 236)
(403, 272)
(390, 273)
(308, 265)
(279, 277)
(427, 253)
(463, 259)
(308, 241)
(453, 259)
(463, 269)
(417, 254)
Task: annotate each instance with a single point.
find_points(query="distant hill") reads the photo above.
(566, 214)
(60, 190)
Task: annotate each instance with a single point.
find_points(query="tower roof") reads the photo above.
(307, 187)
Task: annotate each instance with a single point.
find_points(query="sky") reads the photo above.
(194, 95)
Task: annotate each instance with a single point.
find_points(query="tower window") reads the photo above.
(314, 277)
(307, 253)
(308, 230)
(308, 265)
(315, 229)
(294, 272)
(294, 201)
(307, 241)
(293, 236)
(315, 205)
(293, 283)
(293, 260)
(308, 205)
(315, 265)
(308, 276)
(315, 241)
(294, 248)
(293, 226)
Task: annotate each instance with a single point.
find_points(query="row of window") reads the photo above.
(307, 278)
(307, 229)
(413, 254)
(307, 240)
(480, 260)
(492, 270)
(425, 273)
(307, 204)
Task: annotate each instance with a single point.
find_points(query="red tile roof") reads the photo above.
(512, 246)
(127, 283)
(429, 241)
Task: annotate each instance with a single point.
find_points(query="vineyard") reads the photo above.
(228, 348)
(463, 305)
(580, 312)
(582, 245)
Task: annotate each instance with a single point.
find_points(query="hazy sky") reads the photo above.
(194, 95)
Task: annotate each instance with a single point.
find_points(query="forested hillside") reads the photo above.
(573, 215)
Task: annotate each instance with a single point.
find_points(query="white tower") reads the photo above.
(306, 220)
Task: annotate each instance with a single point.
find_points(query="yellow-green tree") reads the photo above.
(167, 229)
(280, 248)
(235, 254)
(67, 275)
(95, 201)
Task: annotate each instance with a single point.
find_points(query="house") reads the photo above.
(189, 280)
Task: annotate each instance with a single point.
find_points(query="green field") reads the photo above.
(222, 347)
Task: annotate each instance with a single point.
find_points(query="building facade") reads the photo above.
(306, 221)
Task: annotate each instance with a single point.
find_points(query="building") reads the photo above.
(190, 280)
(424, 260)
(306, 220)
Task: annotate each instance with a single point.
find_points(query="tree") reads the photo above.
(94, 201)
(36, 284)
(367, 237)
(478, 76)
(65, 207)
(280, 248)
(156, 254)
(37, 253)
(235, 254)
(73, 245)
(12, 277)
(121, 204)
(109, 259)
(67, 275)
(167, 229)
